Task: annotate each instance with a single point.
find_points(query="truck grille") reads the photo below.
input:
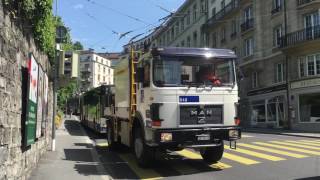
(205, 114)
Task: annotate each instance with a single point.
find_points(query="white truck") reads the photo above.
(175, 98)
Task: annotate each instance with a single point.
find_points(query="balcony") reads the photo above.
(304, 35)
(247, 25)
(231, 7)
(304, 2)
(276, 10)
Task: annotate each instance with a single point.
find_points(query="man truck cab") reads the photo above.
(175, 98)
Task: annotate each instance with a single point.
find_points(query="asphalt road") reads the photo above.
(258, 156)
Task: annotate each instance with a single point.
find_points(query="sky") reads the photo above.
(97, 23)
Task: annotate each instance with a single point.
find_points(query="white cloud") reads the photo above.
(78, 6)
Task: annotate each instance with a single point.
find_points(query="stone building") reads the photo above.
(16, 158)
(184, 27)
(95, 70)
(277, 45)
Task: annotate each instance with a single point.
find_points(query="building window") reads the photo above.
(277, 34)
(255, 79)
(188, 41)
(233, 28)
(203, 6)
(182, 24)
(214, 11)
(259, 111)
(99, 77)
(109, 72)
(195, 39)
(188, 17)
(223, 35)
(182, 43)
(248, 47)
(195, 12)
(177, 28)
(309, 65)
(309, 108)
(223, 4)
(276, 6)
(247, 14)
(279, 74)
(172, 33)
(214, 40)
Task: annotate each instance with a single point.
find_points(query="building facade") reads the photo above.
(95, 71)
(277, 43)
(278, 49)
(184, 27)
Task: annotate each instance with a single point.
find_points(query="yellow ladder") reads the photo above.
(133, 84)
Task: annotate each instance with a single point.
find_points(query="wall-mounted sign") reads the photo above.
(31, 113)
(305, 83)
(40, 104)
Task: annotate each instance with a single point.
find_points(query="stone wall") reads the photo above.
(17, 162)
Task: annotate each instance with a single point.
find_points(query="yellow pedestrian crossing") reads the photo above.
(296, 145)
(192, 155)
(305, 143)
(253, 151)
(240, 159)
(285, 153)
(256, 154)
(288, 148)
(143, 173)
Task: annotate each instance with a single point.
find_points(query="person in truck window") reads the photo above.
(206, 74)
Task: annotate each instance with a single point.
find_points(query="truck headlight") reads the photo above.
(233, 133)
(166, 137)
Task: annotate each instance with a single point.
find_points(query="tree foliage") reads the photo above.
(66, 93)
(38, 14)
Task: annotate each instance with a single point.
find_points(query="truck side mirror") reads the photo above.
(140, 75)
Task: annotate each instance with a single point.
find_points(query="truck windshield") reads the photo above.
(192, 71)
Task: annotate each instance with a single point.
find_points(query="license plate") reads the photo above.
(203, 137)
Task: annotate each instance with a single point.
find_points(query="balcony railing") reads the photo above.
(303, 2)
(307, 34)
(276, 9)
(233, 5)
(248, 24)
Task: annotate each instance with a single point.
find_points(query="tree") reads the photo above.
(77, 46)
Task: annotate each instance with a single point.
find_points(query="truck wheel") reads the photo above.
(143, 152)
(110, 137)
(212, 154)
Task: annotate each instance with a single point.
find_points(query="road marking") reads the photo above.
(296, 145)
(312, 141)
(142, 173)
(273, 150)
(240, 159)
(246, 136)
(288, 148)
(256, 154)
(305, 143)
(192, 155)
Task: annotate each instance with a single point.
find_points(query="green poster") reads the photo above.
(31, 118)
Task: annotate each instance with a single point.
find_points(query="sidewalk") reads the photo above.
(282, 132)
(74, 159)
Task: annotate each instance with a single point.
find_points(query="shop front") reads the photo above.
(305, 98)
(268, 107)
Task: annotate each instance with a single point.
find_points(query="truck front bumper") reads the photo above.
(194, 137)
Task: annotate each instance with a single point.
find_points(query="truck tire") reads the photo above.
(143, 153)
(212, 154)
(110, 137)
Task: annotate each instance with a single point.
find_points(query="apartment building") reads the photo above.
(277, 44)
(184, 27)
(95, 70)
